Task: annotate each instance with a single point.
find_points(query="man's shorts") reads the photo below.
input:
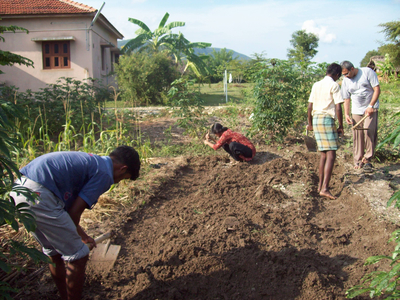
(55, 231)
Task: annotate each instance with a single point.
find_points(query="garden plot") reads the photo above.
(213, 230)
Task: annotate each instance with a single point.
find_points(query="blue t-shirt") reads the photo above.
(72, 174)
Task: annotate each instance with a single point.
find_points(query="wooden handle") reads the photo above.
(104, 236)
(359, 122)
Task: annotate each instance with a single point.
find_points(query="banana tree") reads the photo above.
(154, 39)
(183, 51)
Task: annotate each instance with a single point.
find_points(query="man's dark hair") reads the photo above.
(218, 128)
(128, 156)
(346, 65)
(334, 69)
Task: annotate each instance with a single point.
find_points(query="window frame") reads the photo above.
(55, 56)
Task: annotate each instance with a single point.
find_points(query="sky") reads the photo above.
(347, 30)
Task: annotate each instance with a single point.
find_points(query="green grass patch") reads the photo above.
(390, 93)
(214, 95)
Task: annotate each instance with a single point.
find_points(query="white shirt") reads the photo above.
(325, 94)
(360, 89)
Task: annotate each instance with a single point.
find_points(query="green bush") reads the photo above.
(281, 90)
(144, 78)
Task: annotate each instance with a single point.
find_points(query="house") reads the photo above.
(66, 39)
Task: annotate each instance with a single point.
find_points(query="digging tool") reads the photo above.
(310, 142)
(104, 255)
(356, 127)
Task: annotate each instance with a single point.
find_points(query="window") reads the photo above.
(56, 55)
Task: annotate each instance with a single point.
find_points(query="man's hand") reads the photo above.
(369, 111)
(349, 120)
(309, 127)
(340, 131)
(207, 136)
(90, 242)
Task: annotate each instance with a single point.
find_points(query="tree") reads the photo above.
(151, 39)
(279, 91)
(162, 39)
(364, 62)
(392, 35)
(145, 78)
(7, 58)
(218, 61)
(304, 48)
(183, 51)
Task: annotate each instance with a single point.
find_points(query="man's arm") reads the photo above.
(375, 96)
(349, 119)
(339, 115)
(75, 213)
(309, 116)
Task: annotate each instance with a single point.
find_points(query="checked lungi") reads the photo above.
(325, 132)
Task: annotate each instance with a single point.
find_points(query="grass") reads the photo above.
(212, 94)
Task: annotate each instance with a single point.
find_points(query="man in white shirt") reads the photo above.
(361, 87)
(325, 106)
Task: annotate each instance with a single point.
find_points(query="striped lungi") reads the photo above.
(325, 132)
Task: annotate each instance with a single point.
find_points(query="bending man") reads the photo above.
(67, 183)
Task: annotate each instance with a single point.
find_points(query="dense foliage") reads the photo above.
(146, 79)
(49, 108)
(304, 48)
(280, 91)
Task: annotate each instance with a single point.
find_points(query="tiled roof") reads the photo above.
(34, 7)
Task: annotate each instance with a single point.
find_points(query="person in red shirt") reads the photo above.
(236, 144)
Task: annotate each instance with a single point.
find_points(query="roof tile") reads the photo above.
(29, 7)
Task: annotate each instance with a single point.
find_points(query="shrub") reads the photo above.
(144, 78)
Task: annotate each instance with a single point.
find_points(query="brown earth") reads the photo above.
(203, 228)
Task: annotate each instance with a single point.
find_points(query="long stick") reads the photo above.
(359, 122)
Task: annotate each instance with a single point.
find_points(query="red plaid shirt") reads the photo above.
(229, 136)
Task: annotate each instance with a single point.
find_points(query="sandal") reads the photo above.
(368, 168)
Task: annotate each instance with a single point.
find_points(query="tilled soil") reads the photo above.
(210, 229)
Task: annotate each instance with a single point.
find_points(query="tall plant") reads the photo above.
(278, 91)
(10, 213)
(188, 107)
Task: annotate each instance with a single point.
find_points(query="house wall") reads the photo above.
(85, 50)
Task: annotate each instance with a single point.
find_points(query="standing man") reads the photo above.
(361, 85)
(67, 183)
(325, 106)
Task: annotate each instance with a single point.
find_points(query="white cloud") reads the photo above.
(321, 31)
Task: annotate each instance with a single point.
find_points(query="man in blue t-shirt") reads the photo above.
(67, 183)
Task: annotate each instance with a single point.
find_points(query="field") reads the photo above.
(199, 227)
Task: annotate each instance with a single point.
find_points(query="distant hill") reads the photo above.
(206, 51)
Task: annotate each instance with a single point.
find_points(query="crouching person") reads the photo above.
(236, 144)
(67, 183)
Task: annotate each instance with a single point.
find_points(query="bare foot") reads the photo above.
(327, 195)
(358, 166)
